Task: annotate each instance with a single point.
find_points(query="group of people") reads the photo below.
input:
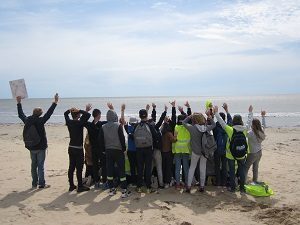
(174, 148)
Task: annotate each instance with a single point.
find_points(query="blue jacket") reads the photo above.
(129, 130)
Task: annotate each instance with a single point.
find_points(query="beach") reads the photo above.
(19, 204)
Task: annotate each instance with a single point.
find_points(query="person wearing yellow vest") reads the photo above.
(238, 126)
(181, 150)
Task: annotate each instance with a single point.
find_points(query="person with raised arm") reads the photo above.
(197, 129)
(112, 142)
(236, 147)
(38, 148)
(220, 154)
(255, 138)
(75, 150)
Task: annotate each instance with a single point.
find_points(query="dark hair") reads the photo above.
(75, 114)
(96, 112)
(180, 118)
(237, 120)
(143, 113)
(166, 128)
(223, 115)
(256, 128)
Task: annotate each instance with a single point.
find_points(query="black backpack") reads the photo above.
(238, 144)
(31, 136)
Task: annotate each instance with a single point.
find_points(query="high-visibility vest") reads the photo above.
(182, 145)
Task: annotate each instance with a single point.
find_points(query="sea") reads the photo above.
(282, 110)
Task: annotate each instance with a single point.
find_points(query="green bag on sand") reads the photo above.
(259, 189)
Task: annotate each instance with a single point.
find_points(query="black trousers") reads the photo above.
(167, 164)
(220, 169)
(133, 166)
(103, 167)
(76, 161)
(115, 156)
(144, 166)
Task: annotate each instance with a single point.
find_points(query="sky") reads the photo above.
(96, 48)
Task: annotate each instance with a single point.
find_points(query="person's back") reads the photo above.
(37, 151)
(75, 150)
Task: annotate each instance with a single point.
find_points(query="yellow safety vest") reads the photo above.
(183, 143)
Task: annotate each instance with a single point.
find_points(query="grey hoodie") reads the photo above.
(111, 131)
(254, 142)
(195, 130)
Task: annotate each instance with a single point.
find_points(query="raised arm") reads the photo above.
(21, 114)
(122, 138)
(229, 118)
(263, 119)
(250, 117)
(123, 114)
(50, 111)
(189, 111)
(161, 119)
(153, 114)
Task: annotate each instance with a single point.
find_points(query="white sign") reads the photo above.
(18, 88)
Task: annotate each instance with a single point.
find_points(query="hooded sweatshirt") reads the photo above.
(111, 134)
(229, 131)
(254, 142)
(196, 140)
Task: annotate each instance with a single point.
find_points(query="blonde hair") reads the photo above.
(198, 118)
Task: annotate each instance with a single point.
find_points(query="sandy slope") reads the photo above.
(280, 167)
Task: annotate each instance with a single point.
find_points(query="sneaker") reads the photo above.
(72, 188)
(33, 187)
(150, 190)
(112, 192)
(201, 189)
(161, 187)
(178, 187)
(167, 186)
(97, 185)
(125, 193)
(187, 190)
(231, 190)
(139, 190)
(105, 186)
(82, 189)
(44, 186)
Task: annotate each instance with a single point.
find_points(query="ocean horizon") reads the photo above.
(283, 110)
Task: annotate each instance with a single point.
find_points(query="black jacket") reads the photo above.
(75, 128)
(93, 131)
(39, 123)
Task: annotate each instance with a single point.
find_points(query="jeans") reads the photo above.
(253, 160)
(37, 167)
(220, 169)
(181, 159)
(115, 156)
(133, 166)
(76, 161)
(241, 173)
(157, 162)
(167, 163)
(202, 169)
(144, 165)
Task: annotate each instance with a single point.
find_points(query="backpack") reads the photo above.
(31, 136)
(238, 144)
(209, 145)
(143, 136)
(221, 140)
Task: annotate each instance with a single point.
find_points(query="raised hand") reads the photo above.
(225, 107)
(180, 109)
(19, 99)
(147, 107)
(173, 103)
(123, 107)
(187, 104)
(263, 113)
(88, 107)
(110, 106)
(250, 108)
(153, 106)
(56, 97)
(166, 108)
(216, 109)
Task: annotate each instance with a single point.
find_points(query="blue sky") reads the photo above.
(150, 48)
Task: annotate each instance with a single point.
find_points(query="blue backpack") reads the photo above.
(221, 140)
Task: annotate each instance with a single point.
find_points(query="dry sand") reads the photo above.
(280, 168)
